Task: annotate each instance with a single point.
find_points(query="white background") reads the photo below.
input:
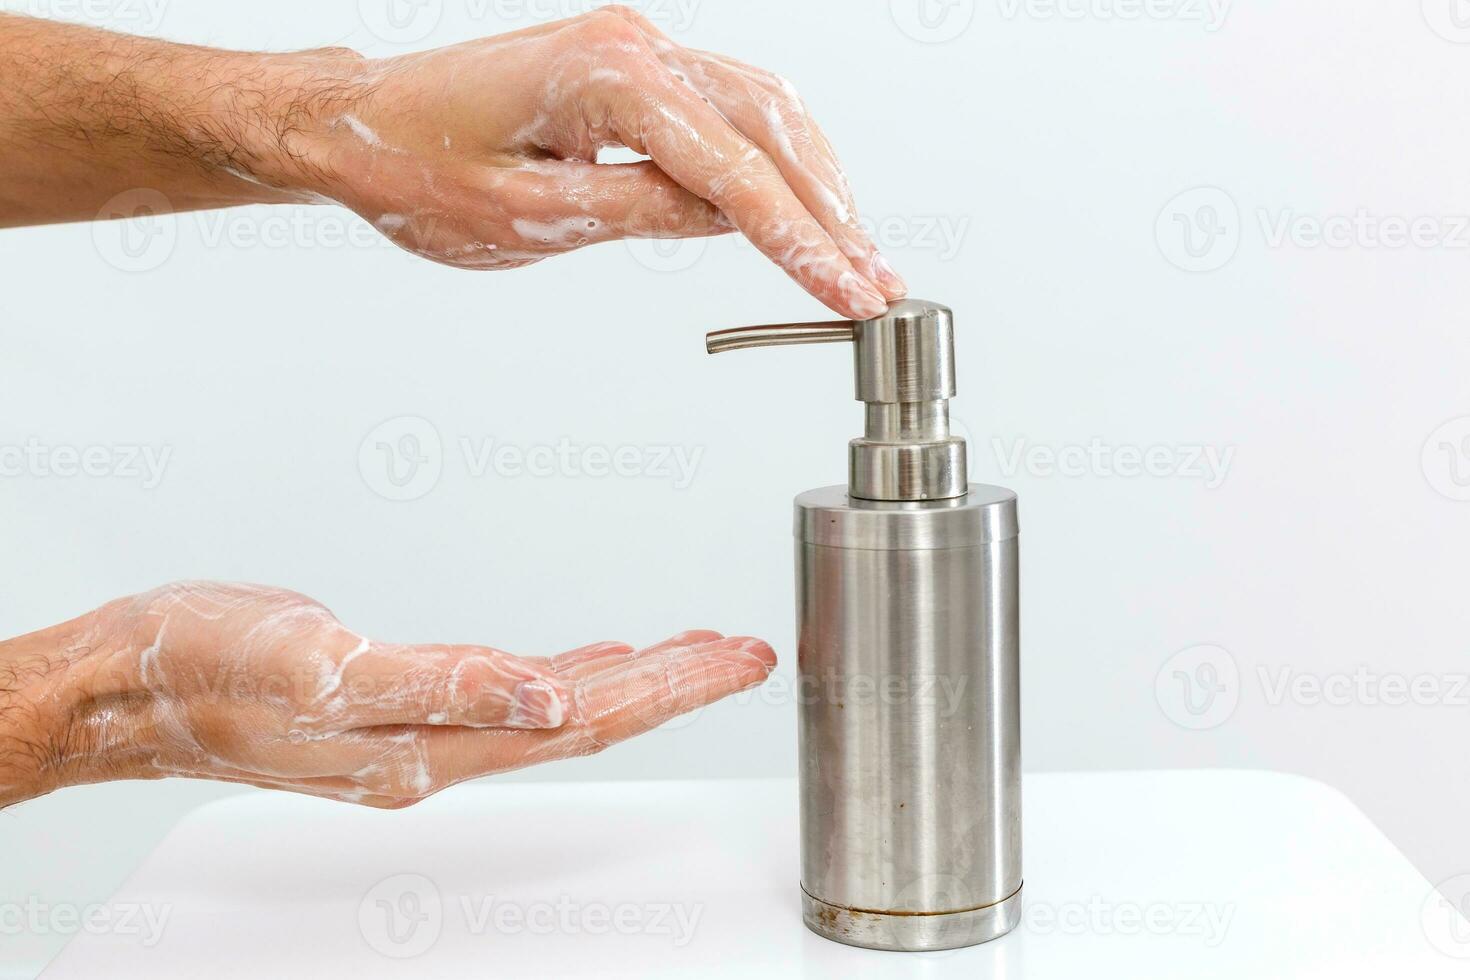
(1024, 164)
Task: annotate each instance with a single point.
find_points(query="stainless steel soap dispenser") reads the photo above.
(909, 659)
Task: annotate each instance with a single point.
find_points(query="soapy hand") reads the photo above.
(262, 686)
(484, 155)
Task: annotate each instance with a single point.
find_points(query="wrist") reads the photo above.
(33, 711)
(66, 708)
(271, 123)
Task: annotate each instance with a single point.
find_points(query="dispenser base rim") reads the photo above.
(911, 933)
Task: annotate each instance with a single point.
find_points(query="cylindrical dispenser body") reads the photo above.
(909, 657)
(909, 703)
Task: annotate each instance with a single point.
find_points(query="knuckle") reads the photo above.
(783, 115)
(789, 93)
(607, 25)
(625, 12)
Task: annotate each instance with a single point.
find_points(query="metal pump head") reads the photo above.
(904, 365)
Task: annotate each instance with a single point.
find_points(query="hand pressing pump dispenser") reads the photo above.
(909, 659)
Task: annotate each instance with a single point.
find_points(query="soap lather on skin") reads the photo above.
(483, 156)
(262, 686)
(503, 182)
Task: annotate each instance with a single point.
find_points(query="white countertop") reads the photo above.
(1136, 875)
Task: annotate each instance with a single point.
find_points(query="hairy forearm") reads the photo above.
(69, 709)
(86, 115)
(34, 708)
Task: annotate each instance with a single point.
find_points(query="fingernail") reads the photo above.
(888, 276)
(750, 647)
(537, 705)
(865, 301)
